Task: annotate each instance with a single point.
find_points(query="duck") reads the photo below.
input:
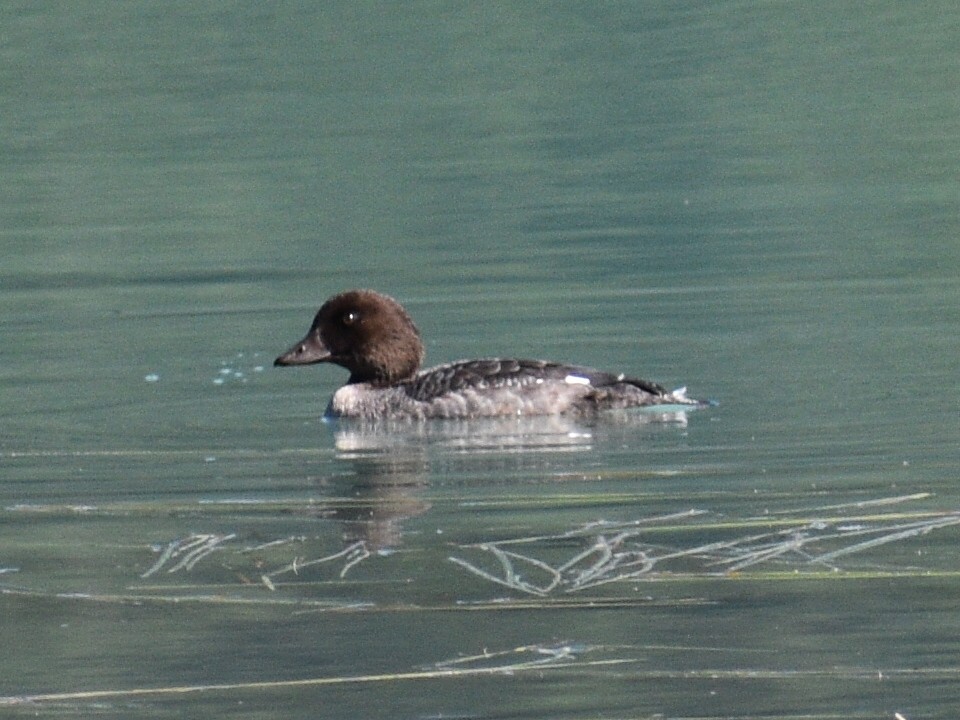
(373, 337)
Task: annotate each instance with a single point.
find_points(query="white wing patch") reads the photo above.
(576, 380)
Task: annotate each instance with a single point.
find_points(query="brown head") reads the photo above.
(369, 334)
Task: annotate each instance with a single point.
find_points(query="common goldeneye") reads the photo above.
(373, 337)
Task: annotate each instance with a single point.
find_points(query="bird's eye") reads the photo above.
(349, 318)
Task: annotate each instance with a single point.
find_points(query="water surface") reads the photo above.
(757, 201)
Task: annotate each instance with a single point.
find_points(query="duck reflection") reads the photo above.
(378, 491)
(388, 463)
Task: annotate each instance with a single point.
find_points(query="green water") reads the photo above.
(756, 200)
